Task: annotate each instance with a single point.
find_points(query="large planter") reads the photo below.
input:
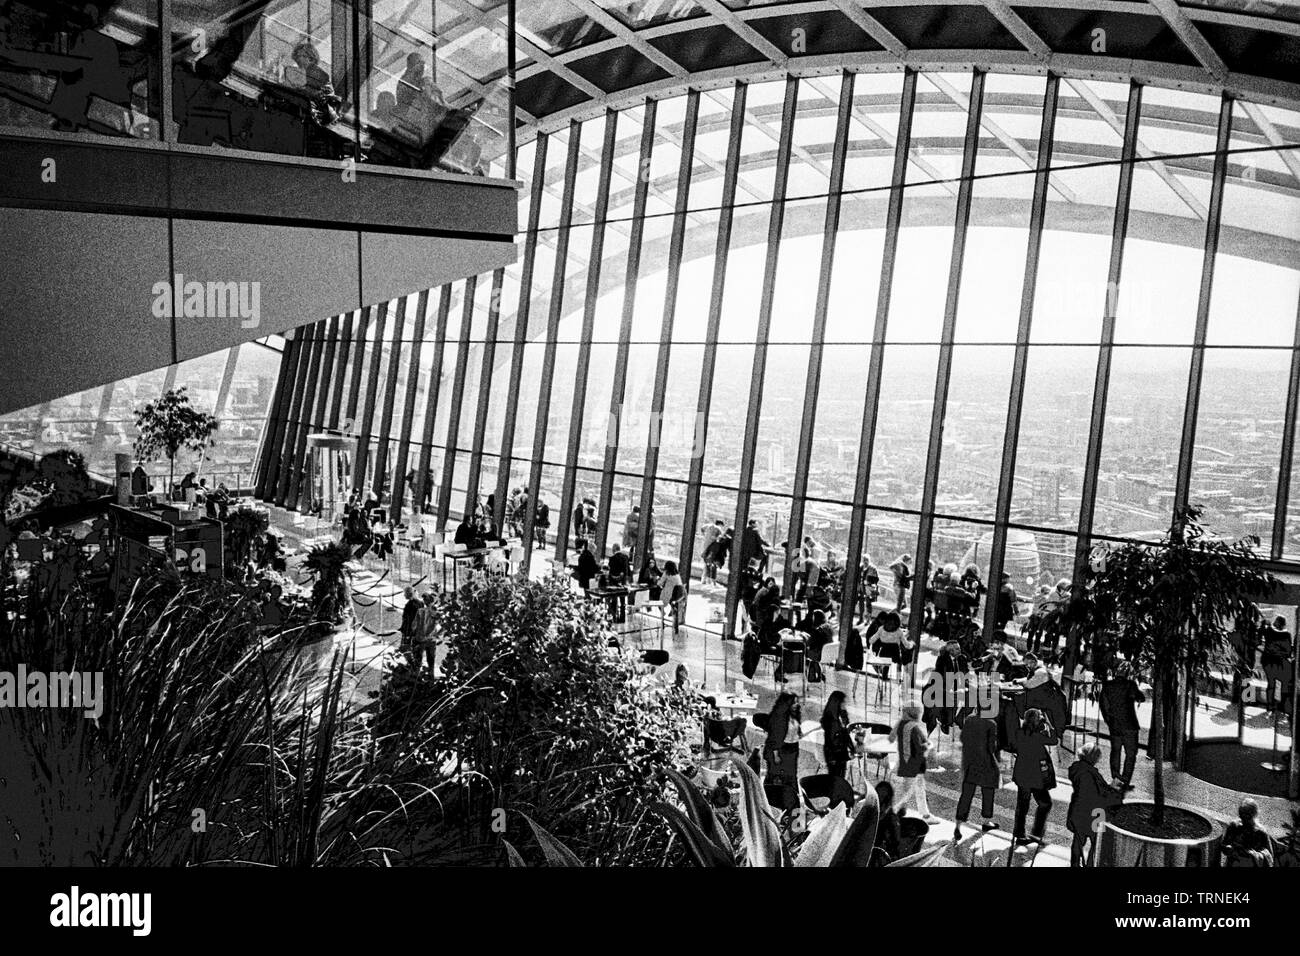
(1123, 841)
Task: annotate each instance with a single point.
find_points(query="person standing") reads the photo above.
(902, 570)
(753, 546)
(542, 522)
(588, 566)
(1274, 658)
(835, 735)
(1034, 775)
(979, 767)
(673, 593)
(722, 551)
(1119, 699)
(631, 528)
(909, 734)
(620, 568)
(410, 625)
(1091, 793)
(711, 533)
(1006, 606)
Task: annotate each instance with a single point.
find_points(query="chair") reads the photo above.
(782, 796)
(830, 656)
(879, 752)
(724, 734)
(654, 658)
(822, 792)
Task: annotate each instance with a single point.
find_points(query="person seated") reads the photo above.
(1245, 844)
(466, 532)
(818, 631)
(1002, 659)
(620, 568)
(650, 576)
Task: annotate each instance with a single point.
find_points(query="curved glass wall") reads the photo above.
(977, 318)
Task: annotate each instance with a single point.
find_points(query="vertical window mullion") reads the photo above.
(830, 232)
(485, 384)
(595, 265)
(759, 371)
(1213, 216)
(521, 323)
(272, 435)
(422, 489)
(1020, 368)
(562, 237)
(708, 365)
(362, 462)
(390, 400)
(1285, 466)
(277, 488)
(453, 408)
(943, 375)
(676, 244)
(639, 199)
(398, 491)
(1119, 230)
(875, 371)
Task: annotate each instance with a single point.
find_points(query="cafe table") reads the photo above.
(734, 702)
(453, 560)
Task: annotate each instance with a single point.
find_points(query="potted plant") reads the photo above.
(169, 425)
(243, 525)
(1171, 607)
(327, 564)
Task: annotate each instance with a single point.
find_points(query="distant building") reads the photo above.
(1047, 494)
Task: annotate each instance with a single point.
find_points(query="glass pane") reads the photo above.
(1054, 423)
(1143, 430)
(82, 68)
(903, 425)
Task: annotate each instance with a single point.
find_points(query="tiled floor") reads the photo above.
(716, 663)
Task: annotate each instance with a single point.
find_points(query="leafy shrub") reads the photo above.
(545, 719)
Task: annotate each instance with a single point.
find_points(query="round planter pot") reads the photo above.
(1119, 846)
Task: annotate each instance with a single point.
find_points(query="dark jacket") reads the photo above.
(979, 752)
(619, 566)
(1033, 770)
(1119, 700)
(411, 617)
(720, 549)
(1006, 604)
(1045, 694)
(835, 739)
(588, 568)
(1090, 793)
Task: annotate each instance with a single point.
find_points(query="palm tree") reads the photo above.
(328, 565)
(1171, 607)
